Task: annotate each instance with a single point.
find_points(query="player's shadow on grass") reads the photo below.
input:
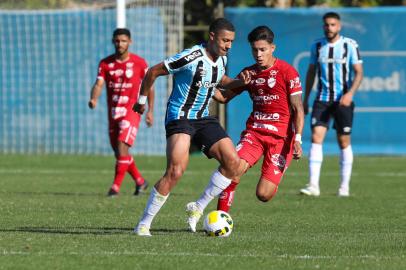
(89, 194)
(72, 230)
(42, 193)
(90, 230)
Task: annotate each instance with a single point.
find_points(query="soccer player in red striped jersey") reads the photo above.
(122, 72)
(273, 129)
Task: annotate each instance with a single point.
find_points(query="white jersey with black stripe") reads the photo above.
(195, 77)
(334, 64)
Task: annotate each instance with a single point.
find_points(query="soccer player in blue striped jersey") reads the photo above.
(196, 74)
(337, 63)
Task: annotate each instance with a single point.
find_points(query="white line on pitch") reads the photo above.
(190, 254)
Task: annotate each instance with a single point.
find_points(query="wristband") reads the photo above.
(298, 138)
(142, 100)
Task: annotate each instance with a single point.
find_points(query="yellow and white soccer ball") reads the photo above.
(218, 223)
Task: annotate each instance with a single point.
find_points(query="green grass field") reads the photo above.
(54, 215)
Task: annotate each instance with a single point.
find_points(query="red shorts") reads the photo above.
(277, 152)
(124, 129)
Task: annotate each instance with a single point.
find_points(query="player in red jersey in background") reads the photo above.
(274, 127)
(123, 73)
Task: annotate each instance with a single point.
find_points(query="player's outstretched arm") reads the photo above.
(298, 118)
(242, 80)
(95, 93)
(147, 84)
(224, 96)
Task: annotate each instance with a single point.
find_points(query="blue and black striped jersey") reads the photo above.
(195, 77)
(334, 64)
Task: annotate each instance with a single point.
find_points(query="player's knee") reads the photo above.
(232, 165)
(266, 196)
(263, 197)
(174, 173)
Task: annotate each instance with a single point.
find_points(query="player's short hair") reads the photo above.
(122, 31)
(221, 24)
(333, 15)
(261, 33)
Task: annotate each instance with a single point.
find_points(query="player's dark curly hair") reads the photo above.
(261, 33)
(221, 24)
(122, 31)
(331, 15)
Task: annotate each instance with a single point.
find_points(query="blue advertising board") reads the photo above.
(381, 99)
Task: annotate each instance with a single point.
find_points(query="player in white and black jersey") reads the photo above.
(337, 63)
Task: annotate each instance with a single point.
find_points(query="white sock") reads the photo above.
(346, 159)
(154, 204)
(315, 161)
(217, 184)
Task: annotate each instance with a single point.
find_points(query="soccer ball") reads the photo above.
(218, 223)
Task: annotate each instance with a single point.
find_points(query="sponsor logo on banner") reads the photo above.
(390, 83)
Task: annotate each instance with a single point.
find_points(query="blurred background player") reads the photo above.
(338, 64)
(123, 72)
(274, 127)
(196, 73)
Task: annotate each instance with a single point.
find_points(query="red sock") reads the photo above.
(226, 197)
(135, 173)
(121, 168)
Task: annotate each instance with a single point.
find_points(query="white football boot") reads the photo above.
(310, 191)
(193, 214)
(142, 230)
(343, 192)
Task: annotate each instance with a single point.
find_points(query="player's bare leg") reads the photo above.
(266, 190)
(346, 160)
(315, 161)
(177, 152)
(231, 167)
(226, 197)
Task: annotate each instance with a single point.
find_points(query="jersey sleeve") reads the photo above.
(182, 60)
(101, 73)
(353, 53)
(313, 54)
(293, 83)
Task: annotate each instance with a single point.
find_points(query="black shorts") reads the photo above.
(204, 132)
(342, 115)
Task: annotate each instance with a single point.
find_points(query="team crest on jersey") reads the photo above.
(111, 65)
(271, 82)
(129, 73)
(129, 65)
